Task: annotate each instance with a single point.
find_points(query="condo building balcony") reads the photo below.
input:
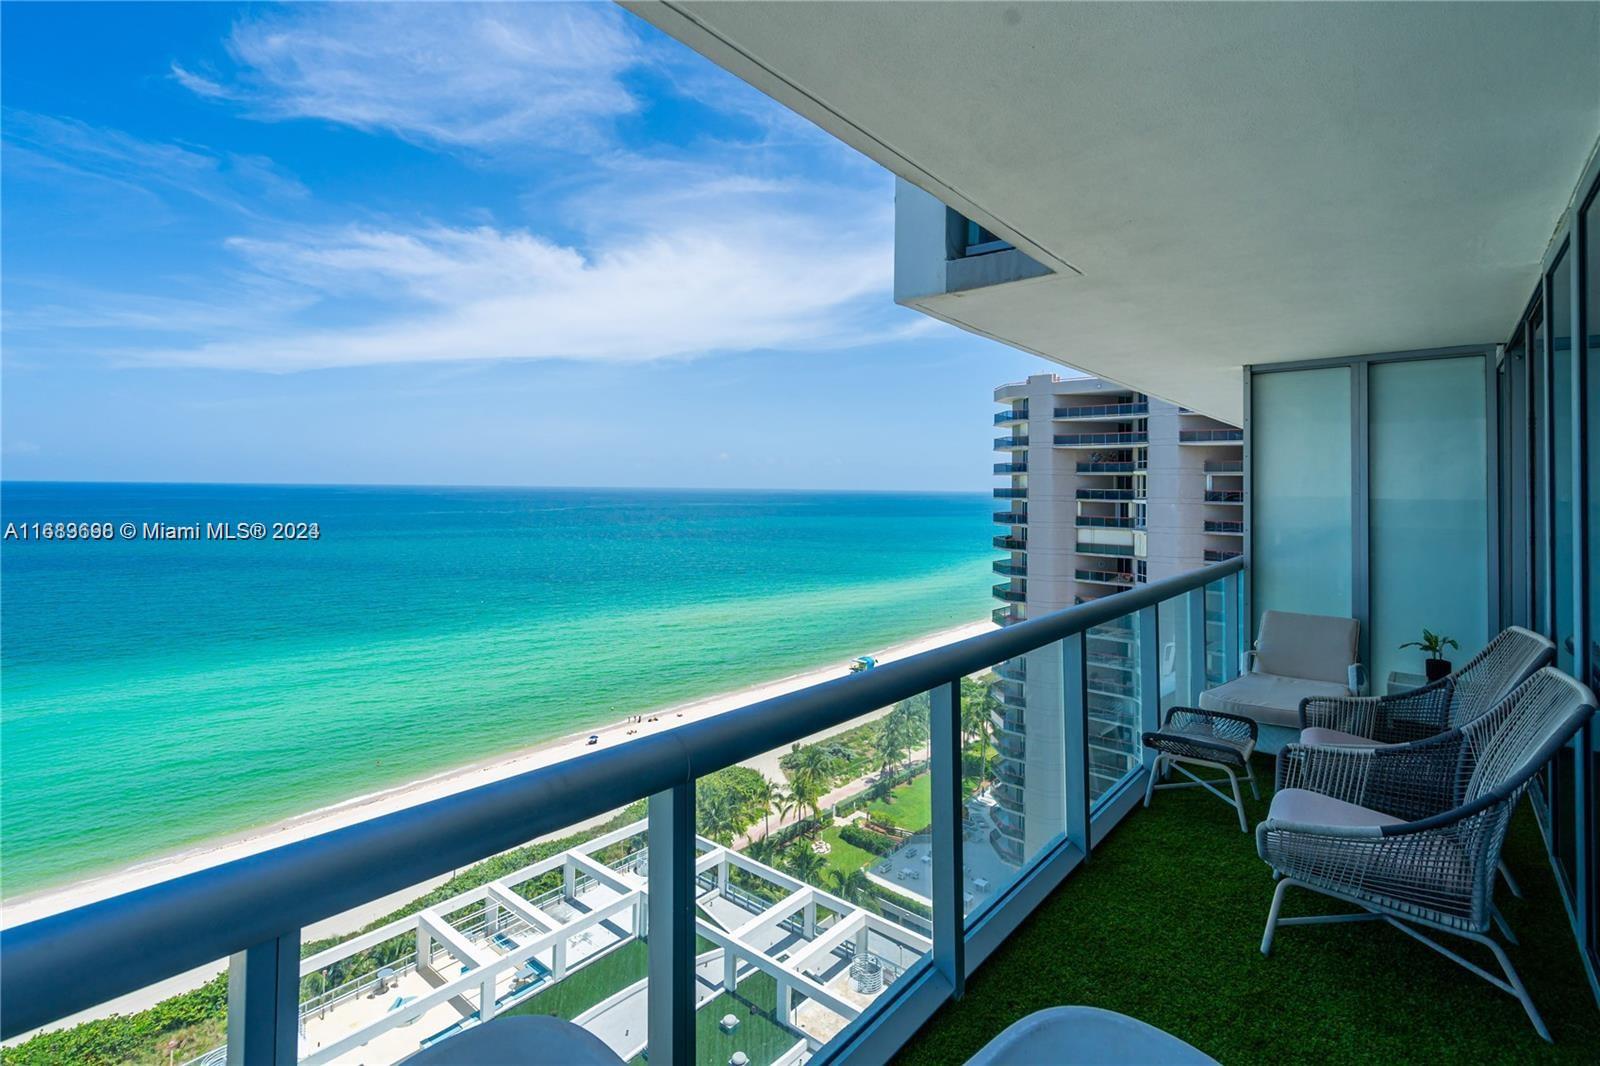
(1105, 411)
(1005, 616)
(1002, 444)
(1123, 438)
(1224, 466)
(1089, 521)
(1010, 568)
(1017, 414)
(1225, 528)
(1010, 543)
(1121, 466)
(1104, 577)
(1011, 518)
(1210, 436)
(1009, 594)
(1220, 555)
(1013, 669)
(1020, 467)
(1015, 493)
(1110, 494)
(1225, 496)
(1114, 550)
(1467, 318)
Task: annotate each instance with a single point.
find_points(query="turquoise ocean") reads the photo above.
(159, 694)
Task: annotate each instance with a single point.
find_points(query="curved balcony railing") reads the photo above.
(1214, 555)
(1012, 772)
(1011, 518)
(1010, 544)
(1209, 436)
(1017, 493)
(1224, 496)
(1010, 568)
(253, 910)
(1224, 527)
(1012, 669)
(1090, 440)
(1224, 466)
(1003, 443)
(1104, 577)
(1007, 616)
(1090, 521)
(1110, 494)
(1020, 467)
(1007, 848)
(1105, 410)
(1131, 466)
(1119, 550)
(1009, 594)
(1019, 414)
(1008, 794)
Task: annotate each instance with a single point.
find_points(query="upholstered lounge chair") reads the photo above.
(1296, 657)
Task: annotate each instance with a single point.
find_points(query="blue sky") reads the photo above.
(522, 244)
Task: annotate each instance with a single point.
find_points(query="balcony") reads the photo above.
(1104, 577)
(1011, 468)
(1224, 466)
(1010, 443)
(1011, 494)
(1228, 528)
(1009, 568)
(1003, 418)
(1009, 594)
(1118, 550)
(1005, 616)
(1132, 466)
(1010, 544)
(1126, 439)
(1013, 669)
(1210, 436)
(1217, 555)
(1107, 410)
(1011, 518)
(1224, 496)
(1110, 494)
(1087, 521)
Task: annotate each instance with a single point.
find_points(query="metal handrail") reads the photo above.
(165, 929)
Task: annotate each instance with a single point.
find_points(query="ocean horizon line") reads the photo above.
(89, 483)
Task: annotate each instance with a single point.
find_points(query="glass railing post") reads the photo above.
(1148, 630)
(1232, 648)
(1195, 604)
(1076, 707)
(264, 1003)
(949, 928)
(670, 924)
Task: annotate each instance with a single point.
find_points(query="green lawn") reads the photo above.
(844, 856)
(1164, 924)
(758, 1036)
(909, 806)
(587, 985)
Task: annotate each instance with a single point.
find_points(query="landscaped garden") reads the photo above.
(589, 984)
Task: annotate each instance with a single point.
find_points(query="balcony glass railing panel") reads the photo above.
(1010, 544)
(1224, 466)
(1084, 548)
(1004, 443)
(1011, 468)
(1078, 440)
(1009, 594)
(1105, 410)
(1209, 436)
(1010, 569)
(1011, 518)
(1014, 493)
(1130, 466)
(1224, 527)
(1100, 522)
(1224, 496)
(1110, 494)
(534, 894)
(1004, 417)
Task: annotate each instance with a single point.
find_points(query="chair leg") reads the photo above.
(1155, 772)
(1272, 915)
(1517, 988)
(1250, 773)
(1238, 802)
(1503, 925)
(1511, 882)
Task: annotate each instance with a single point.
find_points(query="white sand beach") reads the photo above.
(32, 906)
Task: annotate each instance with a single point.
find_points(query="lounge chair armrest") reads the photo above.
(1247, 661)
(1337, 772)
(1407, 781)
(1222, 723)
(1406, 716)
(1347, 714)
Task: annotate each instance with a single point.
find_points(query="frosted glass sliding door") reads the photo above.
(1300, 491)
(1428, 509)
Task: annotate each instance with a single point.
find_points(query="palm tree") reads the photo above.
(804, 863)
(979, 704)
(719, 818)
(766, 796)
(807, 793)
(851, 886)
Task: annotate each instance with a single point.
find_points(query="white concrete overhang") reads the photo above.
(1211, 185)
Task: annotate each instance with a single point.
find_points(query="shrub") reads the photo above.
(867, 840)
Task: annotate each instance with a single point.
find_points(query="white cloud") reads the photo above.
(443, 294)
(472, 75)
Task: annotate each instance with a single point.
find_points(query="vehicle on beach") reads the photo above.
(862, 663)
(594, 738)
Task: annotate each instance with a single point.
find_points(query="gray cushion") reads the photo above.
(1335, 738)
(1313, 646)
(1303, 807)
(1267, 698)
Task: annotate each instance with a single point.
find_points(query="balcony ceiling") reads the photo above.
(1212, 185)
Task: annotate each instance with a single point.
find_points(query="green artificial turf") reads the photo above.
(1164, 923)
(589, 984)
(758, 1036)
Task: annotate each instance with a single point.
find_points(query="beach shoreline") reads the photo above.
(33, 905)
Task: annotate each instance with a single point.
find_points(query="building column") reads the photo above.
(569, 879)
(730, 970)
(491, 917)
(783, 1002)
(560, 960)
(486, 998)
(424, 947)
(811, 921)
(722, 876)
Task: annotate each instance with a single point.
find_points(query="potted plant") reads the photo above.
(1434, 644)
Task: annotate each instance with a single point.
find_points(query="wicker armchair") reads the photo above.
(1412, 833)
(1475, 689)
